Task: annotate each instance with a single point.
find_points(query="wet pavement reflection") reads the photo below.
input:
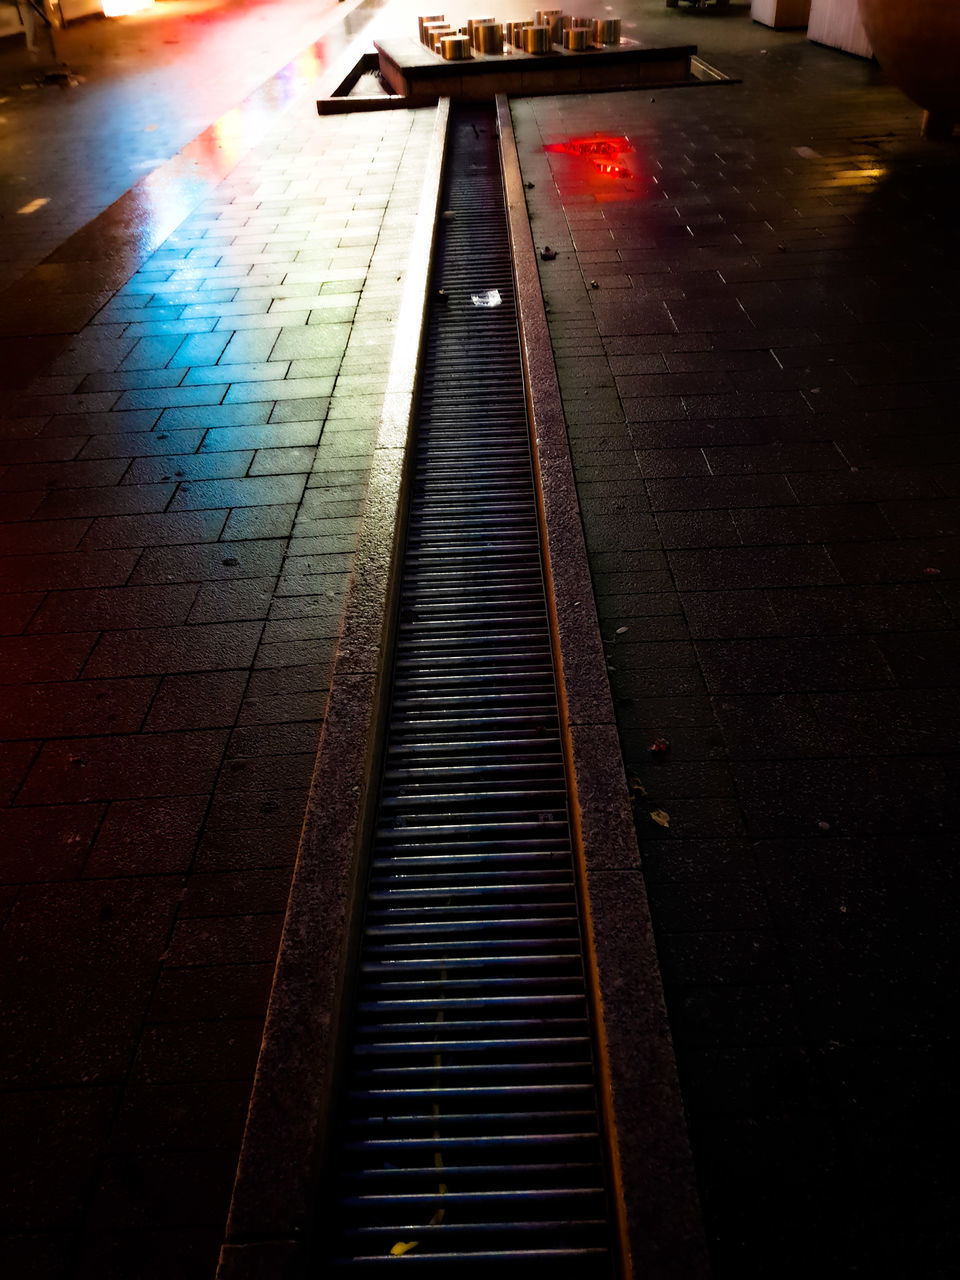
(145, 85)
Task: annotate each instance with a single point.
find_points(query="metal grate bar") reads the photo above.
(470, 1135)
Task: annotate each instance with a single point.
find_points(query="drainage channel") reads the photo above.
(470, 1134)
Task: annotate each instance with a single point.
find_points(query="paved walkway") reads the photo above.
(181, 491)
(145, 87)
(760, 393)
(756, 338)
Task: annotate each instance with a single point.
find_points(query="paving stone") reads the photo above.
(793, 799)
(234, 849)
(238, 893)
(70, 569)
(139, 444)
(182, 1116)
(63, 475)
(63, 708)
(15, 761)
(272, 740)
(41, 536)
(78, 1024)
(851, 609)
(914, 721)
(57, 1135)
(257, 807)
(749, 568)
(251, 492)
(160, 1190)
(251, 939)
(147, 837)
(775, 666)
(282, 461)
(198, 350)
(155, 530)
(22, 505)
(123, 766)
(106, 502)
(772, 525)
(142, 651)
(42, 1255)
(283, 432)
(112, 608)
(223, 1049)
(920, 661)
(197, 701)
(696, 529)
(226, 601)
(213, 417)
(48, 843)
(172, 397)
(923, 519)
(877, 485)
(209, 563)
(755, 1014)
(696, 493)
(189, 467)
(732, 954)
(894, 561)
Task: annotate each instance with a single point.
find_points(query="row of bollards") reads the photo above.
(539, 34)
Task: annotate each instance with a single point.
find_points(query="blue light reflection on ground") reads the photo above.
(165, 197)
(152, 94)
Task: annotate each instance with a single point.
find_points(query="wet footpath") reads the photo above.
(182, 489)
(755, 331)
(753, 312)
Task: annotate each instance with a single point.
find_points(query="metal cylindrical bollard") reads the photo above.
(488, 37)
(606, 31)
(518, 30)
(474, 22)
(536, 39)
(552, 18)
(454, 48)
(422, 22)
(576, 38)
(583, 22)
(439, 37)
(431, 29)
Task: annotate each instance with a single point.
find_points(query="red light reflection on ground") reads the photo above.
(603, 153)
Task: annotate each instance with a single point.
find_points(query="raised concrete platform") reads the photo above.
(415, 73)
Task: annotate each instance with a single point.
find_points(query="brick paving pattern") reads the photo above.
(182, 493)
(756, 343)
(149, 84)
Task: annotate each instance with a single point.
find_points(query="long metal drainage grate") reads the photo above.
(470, 1135)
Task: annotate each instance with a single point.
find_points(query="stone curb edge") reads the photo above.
(652, 1177)
(285, 1133)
